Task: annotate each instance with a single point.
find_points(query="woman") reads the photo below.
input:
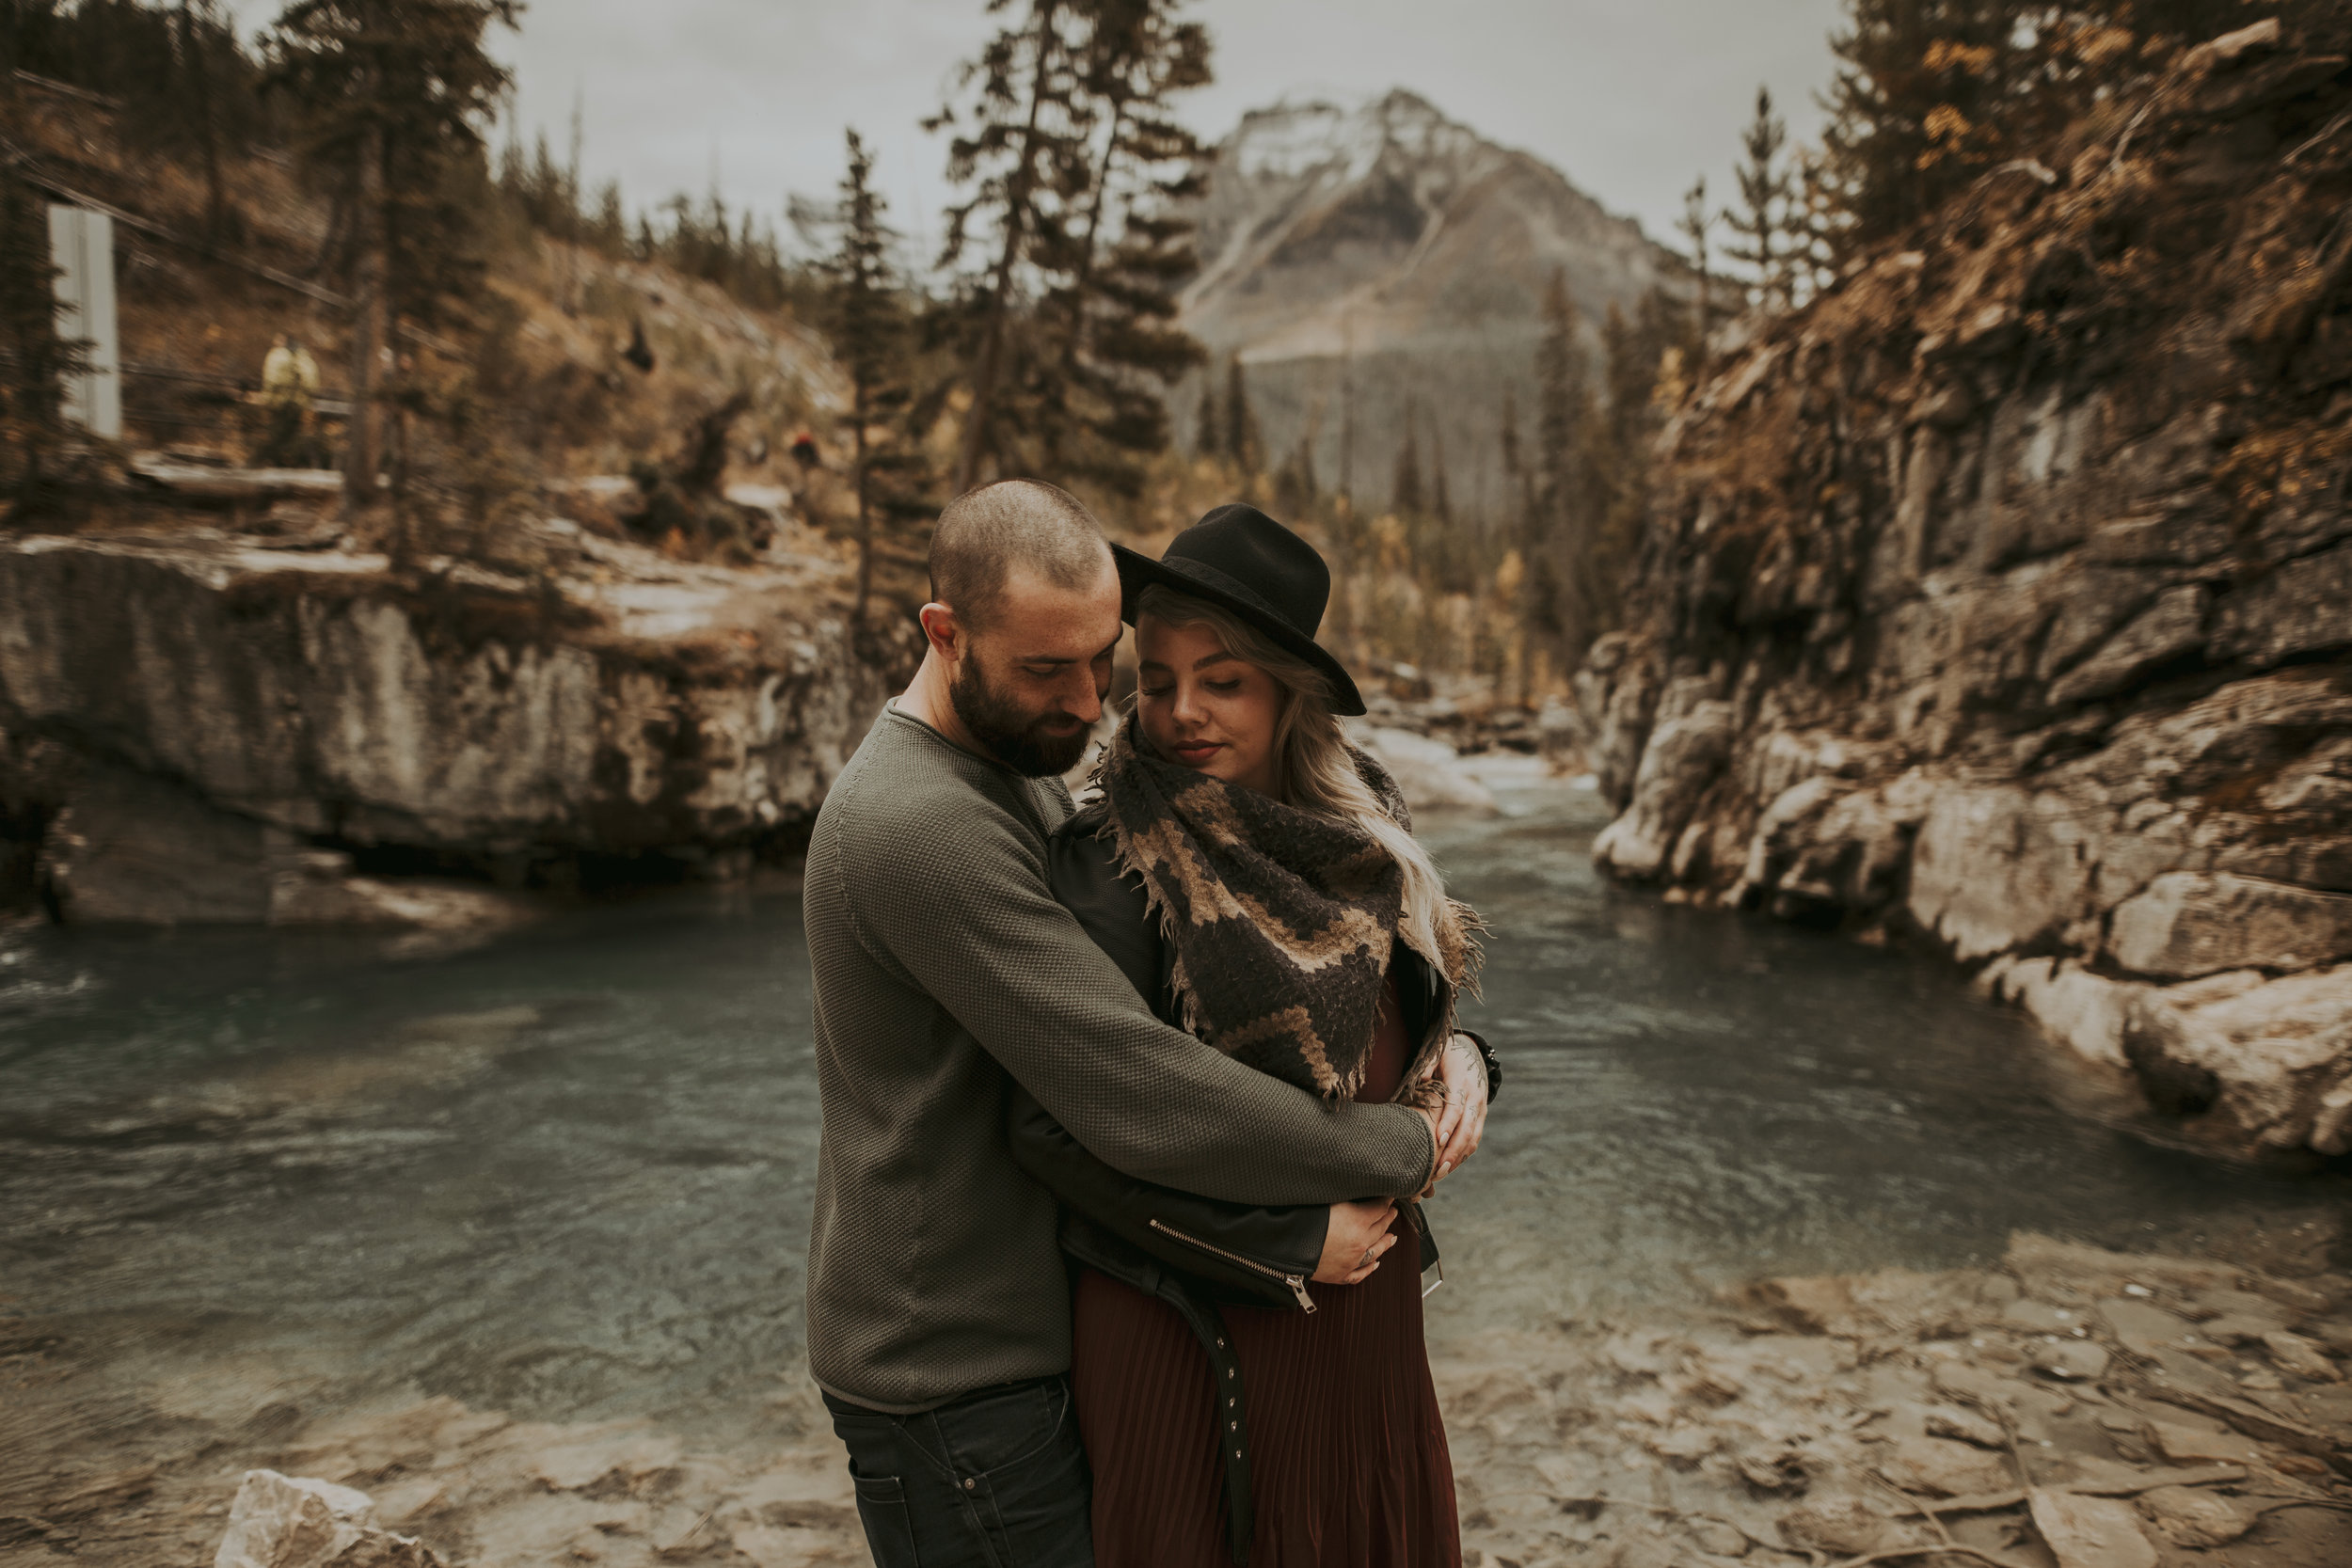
(1255, 876)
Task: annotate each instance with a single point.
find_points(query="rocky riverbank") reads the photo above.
(206, 725)
(2001, 600)
(2067, 1407)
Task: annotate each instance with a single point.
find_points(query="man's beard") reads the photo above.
(1017, 739)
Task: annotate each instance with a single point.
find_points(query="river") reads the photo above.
(567, 1174)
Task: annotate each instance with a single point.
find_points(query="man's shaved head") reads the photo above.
(985, 534)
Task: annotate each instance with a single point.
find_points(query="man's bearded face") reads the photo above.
(1034, 744)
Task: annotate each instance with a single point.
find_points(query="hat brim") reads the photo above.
(1137, 572)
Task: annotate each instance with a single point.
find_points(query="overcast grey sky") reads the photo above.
(1629, 98)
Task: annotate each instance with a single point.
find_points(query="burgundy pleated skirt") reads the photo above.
(1347, 1455)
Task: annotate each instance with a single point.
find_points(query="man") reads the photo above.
(938, 1307)
(290, 379)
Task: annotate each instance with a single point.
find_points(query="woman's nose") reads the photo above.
(1187, 710)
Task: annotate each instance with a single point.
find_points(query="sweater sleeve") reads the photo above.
(966, 916)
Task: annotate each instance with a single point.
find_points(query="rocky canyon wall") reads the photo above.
(193, 727)
(2003, 598)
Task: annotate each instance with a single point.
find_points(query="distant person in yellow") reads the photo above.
(290, 379)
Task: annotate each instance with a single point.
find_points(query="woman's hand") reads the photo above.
(1357, 1235)
(1462, 1120)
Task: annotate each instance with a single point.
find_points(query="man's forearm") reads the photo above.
(1259, 1140)
(988, 943)
(1356, 1151)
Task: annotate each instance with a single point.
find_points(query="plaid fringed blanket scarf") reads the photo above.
(1282, 920)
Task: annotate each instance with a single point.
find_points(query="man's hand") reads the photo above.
(1462, 1119)
(1357, 1235)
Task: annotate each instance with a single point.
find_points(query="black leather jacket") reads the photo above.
(1195, 1253)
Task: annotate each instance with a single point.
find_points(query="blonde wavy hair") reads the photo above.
(1313, 767)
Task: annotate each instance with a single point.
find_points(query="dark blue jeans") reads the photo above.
(996, 1479)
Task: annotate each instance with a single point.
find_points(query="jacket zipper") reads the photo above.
(1297, 1282)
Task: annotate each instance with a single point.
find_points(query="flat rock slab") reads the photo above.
(2072, 1360)
(1946, 1469)
(2183, 924)
(2184, 1445)
(1845, 1526)
(2300, 1357)
(2142, 1326)
(2188, 1517)
(1943, 1421)
(2090, 1532)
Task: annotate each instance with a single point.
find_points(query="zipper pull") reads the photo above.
(1299, 1288)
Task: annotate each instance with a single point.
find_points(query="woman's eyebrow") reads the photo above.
(1217, 658)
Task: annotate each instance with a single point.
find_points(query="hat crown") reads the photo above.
(1273, 565)
(1247, 564)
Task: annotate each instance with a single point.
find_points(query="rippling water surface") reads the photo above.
(569, 1175)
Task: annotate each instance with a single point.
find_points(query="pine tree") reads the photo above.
(196, 47)
(1509, 440)
(1819, 223)
(184, 81)
(35, 362)
(1021, 147)
(1616, 458)
(1762, 217)
(1695, 226)
(1916, 100)
(393, 97)
(1208, 437)
(1242, 447)
(1404, 492)
(1346, 481)
(608, 232)
(1077, 170)
(1559, 521)
(1133, 243)
(1928, 94)
(1294, 485)
(870, 331)
(1440, 505)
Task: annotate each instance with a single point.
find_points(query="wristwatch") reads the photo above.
(1486, 1055)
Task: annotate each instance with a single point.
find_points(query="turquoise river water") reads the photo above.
(567, 1174)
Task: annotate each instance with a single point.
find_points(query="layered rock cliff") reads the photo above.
(2004, 599)
(195, 727)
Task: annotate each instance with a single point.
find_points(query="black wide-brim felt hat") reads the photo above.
(1240, 560)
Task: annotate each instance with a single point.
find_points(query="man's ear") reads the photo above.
(942, 630)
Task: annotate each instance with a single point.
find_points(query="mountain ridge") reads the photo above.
(1357, 258)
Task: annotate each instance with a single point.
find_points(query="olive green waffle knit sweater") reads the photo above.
(943, 964)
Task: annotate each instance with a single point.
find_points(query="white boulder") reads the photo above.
(1428, 772)
(299, 1522)
(2183, 924)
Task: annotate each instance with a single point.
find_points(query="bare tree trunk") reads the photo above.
(864, 513)
(208, 132)
(1017, 195)
(1347, 411)
(1084, 277)
(370, 328)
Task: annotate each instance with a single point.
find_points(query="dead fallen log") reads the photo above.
(196, 481)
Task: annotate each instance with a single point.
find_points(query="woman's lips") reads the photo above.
(1199, 752)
